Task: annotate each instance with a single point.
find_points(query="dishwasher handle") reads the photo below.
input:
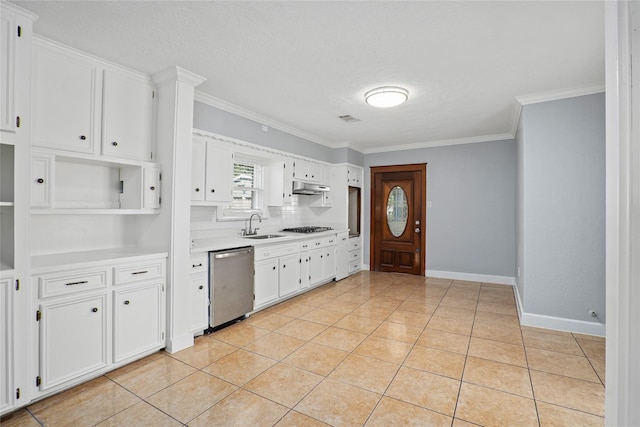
(233, 253)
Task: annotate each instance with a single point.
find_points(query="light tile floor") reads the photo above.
(375, 349)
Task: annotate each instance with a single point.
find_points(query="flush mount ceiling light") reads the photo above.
(387, 96)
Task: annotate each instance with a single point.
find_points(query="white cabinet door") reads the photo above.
(199, 302)
(354, 176)
(137, 320)
(316, 271)
(7, 70)
(342, 256)
(7, 391)
(289, 275)
(198, 161)
(73, 339)
(280, 182)
(127, 117)
(329, 262)
(219, 173)
(151, 192)
(265, 282)
(64, 101)
(304, 270)
(316, 172)
(42, 180)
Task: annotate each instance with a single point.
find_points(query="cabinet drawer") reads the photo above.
(354, 255)
(72, 281)
(354, 243)
(137, 272)
(198, 264)
(267, 252)
(330, 241)
(354, 266)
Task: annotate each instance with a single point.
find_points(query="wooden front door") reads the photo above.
(398, 216)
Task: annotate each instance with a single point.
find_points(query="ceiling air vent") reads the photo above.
(349, 118)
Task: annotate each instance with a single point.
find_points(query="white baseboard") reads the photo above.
(557, 323)
(500, 280)
(179, 343)
(365, 267)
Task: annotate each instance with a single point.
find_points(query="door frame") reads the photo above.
(422, 167)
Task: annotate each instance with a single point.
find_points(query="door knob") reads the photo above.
(417, 230)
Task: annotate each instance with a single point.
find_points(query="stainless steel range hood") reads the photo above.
(309, 189)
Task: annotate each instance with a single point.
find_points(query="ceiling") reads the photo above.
(298, 66)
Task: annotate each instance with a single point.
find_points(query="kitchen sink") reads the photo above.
(264, 236)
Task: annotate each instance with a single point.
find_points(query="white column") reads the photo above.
(170, 230)
(622, 42)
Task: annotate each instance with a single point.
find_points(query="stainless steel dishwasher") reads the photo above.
(231, 281)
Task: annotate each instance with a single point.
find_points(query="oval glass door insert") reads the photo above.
(397, 211)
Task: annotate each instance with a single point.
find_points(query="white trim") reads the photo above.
(179, 343)
(17, 9)
(536, 98)
(556, 323)
(485, 278)
(562, 324)
(223, 105)
(441, 143)
(173, 74)
(365, 267)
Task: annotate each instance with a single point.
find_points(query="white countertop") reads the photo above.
(230, 242)
(64, 261)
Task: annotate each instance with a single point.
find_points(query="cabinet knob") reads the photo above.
(284, 266)
(127, 302)
(213, 190)
(114, 143)
(320, 256)
(82, 137)
(94, 309)
(197, 190)
(200, 287)
(152, 188)
(40, 181)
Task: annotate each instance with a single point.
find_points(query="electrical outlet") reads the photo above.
(265, 128)
(518, 271)
(428, 203)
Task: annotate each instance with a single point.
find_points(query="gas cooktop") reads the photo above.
(308, 229)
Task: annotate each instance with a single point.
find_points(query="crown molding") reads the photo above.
(441, 143)
(535, 98)
(242, 112)
(20, 10)
(172, 74)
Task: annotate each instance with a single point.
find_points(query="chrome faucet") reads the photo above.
(252, 232)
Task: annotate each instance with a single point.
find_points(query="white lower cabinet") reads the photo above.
(6, 344)
(322, 260)
(94, 317)
(289, 279)
(198, 293)
(199, 302)
(277, 273)
(342, 256)
(73, 338)
(265, 282)
(137, 320)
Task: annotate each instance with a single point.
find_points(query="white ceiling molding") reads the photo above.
(559, 94)
(431, 144)
(242, 112)
(536, 98)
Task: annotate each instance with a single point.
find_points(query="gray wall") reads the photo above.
(520, 208)
(563, 213)
(206, 117)
(471, 224)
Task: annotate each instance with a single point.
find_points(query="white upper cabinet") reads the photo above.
(127, 117)
(82, 105)
(280, 182)
(64, 100)
(219, 173)
(304, 170)
(211, 171)
(354, 176)
(15, 59)
(198, 161)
